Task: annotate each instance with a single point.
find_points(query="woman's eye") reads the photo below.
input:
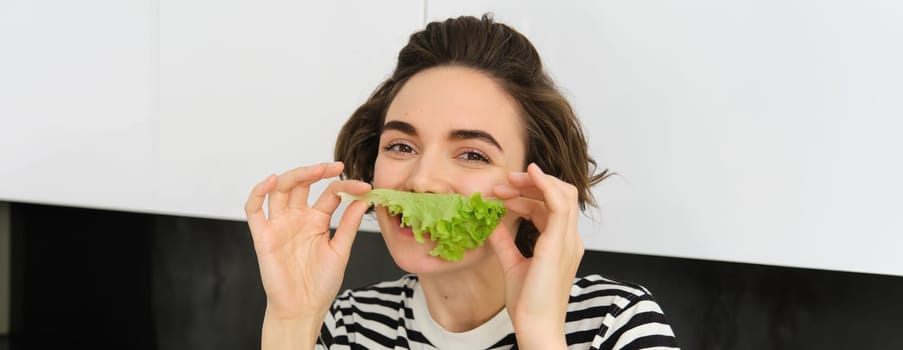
(474, 156)
(399, 147)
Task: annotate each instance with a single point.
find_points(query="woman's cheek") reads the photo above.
(385, 174)
(483, 183)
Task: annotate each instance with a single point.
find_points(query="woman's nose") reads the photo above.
(429, 175)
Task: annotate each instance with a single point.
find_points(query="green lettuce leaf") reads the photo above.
(455, 222)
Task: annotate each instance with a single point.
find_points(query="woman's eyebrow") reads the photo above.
(400, 126)
(461, 134)
(457, 134)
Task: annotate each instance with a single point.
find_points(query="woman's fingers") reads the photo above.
(525, 186)
(330, 200)
(539, 196)
(556, 193)
(529, 209)
(528, 183)
(547, 201)
(293, 187)
(293, 183)
(505, 249)
(300, 192)
(254, 205)
(289, 190)
(348, 227)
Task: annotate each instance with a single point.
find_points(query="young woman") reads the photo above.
(468, 109)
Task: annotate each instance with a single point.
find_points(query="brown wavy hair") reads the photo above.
(555, 139)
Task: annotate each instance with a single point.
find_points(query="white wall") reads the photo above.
(750, 131)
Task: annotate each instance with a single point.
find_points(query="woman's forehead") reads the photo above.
(449, 98)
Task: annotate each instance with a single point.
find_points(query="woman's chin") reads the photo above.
(414, 257)
(410, 266)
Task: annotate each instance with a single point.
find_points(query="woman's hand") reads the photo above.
(300, 265)
(537, 289)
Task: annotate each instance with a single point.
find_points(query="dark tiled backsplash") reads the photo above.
(90, 278)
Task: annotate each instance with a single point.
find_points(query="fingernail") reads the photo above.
(537, 167)
(505, 189)
(519, 175)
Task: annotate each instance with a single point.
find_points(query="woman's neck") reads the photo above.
(465, 299)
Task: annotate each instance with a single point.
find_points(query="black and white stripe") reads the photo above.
(602, 314)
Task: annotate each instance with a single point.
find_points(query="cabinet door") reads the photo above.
(76, 102)
(249, 88)
(181, 106)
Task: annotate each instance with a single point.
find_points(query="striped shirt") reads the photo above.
(601, 314)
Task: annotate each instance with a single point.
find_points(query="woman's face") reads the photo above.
(448, 130)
